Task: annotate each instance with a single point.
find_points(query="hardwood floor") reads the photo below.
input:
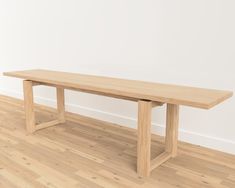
(88, 153)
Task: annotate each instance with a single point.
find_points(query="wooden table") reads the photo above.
(147, 94)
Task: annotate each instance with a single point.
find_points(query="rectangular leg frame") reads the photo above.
(29, 108)
(144, 163)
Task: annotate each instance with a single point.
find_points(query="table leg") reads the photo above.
(172, 123)
(144, 138)
(60, 104)
(29, 106)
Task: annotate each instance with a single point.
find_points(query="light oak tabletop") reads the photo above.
(139, 90)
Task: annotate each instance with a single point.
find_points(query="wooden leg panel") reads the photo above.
(29, 106)
(144, 138)
(172, 123)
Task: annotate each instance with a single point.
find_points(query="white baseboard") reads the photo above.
(208, 141)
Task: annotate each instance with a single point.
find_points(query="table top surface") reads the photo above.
(139, 90)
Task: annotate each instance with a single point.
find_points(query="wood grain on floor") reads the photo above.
(87, 153)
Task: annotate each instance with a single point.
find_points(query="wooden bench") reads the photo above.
(148, 95)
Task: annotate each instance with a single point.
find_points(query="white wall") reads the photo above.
(171, 41)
